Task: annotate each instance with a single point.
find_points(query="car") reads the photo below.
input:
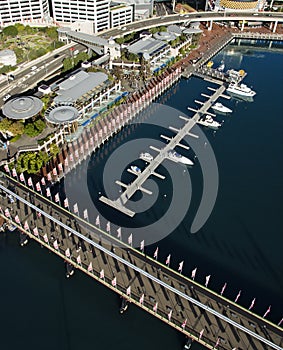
(33, 68)
(124, 28)
(56, 56)
(6, 97)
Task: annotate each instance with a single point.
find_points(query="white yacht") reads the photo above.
(219, 107)
(221, 67)
(208, 121)
(146, 156)
(176, 157)
(241, 90)
(135, 169)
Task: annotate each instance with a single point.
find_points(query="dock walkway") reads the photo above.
(120, 202)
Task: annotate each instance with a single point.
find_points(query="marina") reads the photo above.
(147, 159)
(150, 170)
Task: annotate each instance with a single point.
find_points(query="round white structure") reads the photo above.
(62, 115)
(22, 107)
(8, 58)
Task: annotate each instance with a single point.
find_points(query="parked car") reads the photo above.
(6, 97)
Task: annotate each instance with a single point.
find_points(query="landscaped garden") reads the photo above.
(27, 42)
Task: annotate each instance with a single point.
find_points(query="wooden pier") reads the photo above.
(150, 170)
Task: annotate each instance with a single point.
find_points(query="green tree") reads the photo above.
(82, 56)
(32, 54)
(40, 125)
(16, 128)
(5, 69)
(29, 30)
(132, 57)
(30, 130)
(154, 30)
(31, 162)
(41, 52)
(56, 44)
(20, 27)
(5, 123)
(54, 150)
(67, 64)
(120, 41)
(10, 31)
(52, 33)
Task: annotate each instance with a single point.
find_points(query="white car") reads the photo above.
(6, 97)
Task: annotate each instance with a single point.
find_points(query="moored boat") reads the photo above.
(221, 67)
(188, 344)
(135, 169)
(219, 107)
(124, 305)
(146, 156)
(23, 239)
(240, 90)
(69, 270)
(209, 122)
(177, 157)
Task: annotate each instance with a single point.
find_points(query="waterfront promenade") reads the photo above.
(204, 315)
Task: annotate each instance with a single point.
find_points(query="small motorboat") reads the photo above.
(221, 67)
(146, 156)
(124, 305)
(219, 107)
(209, 122)
(69, 270)
(188, 344)
(135, 169)
(23, 239)
(177, 157)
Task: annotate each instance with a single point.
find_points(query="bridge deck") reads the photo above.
(158, 283)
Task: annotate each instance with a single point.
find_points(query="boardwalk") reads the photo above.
(150, 170)
(175, 299)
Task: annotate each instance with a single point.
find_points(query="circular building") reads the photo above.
(62, 115)
(165, 36)
(22, 107)
(8, 58)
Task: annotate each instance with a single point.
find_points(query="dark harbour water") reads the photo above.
(241, 243)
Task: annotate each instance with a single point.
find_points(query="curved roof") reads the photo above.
(62, 115)
(71, 89)
(164, 36)
(22, 107)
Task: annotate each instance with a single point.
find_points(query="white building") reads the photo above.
(143, 8)
(23, 11)
(8, 58)
(121, 15)
(93, 11)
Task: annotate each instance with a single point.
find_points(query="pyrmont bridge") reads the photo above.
(179, 301)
